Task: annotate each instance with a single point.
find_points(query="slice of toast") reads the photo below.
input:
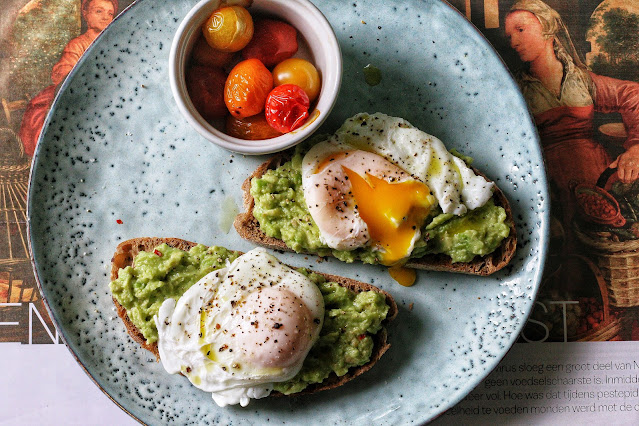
(249, 228)
(127, 250)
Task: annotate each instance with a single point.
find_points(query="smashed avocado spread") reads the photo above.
(478, 232)
(350, 319)
(164, 273)
(281, 210)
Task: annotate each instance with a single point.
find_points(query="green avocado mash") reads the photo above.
(152, 279)
(350, 319)
(281, 210)
(478, 232)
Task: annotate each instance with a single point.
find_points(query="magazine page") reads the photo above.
(577, 64)
(40, 42)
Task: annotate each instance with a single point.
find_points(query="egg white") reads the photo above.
(201, 346)
(454, 184)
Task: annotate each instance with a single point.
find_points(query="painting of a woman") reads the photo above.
(97, 14)
(563, 96)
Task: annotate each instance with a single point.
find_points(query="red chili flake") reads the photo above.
(157, 252)
(119, 221)
(361, 336)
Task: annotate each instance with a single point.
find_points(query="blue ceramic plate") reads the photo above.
(115, 148)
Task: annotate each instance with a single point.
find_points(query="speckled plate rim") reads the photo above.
(463, 389)
(34, 264)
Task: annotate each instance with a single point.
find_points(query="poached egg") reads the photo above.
(241, 328)
(375, 181)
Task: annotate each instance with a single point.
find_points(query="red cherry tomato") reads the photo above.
(286, 107)
(203, 54)
(206, 89)
(272, 42)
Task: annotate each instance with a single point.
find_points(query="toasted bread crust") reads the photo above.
(127, 250)
(249, 228)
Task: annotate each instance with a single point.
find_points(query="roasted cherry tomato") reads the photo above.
(206, 89)
(203, 54)
(247, 87)
(287, 107)
(273, 41)
(299, 72)
(228, 29)
(250, 128)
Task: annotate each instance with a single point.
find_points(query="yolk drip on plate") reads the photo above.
(393, 211)
(404, 276)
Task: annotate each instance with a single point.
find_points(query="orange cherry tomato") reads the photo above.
(250, 128)
(247, 87)
(287, 107)
(299, 72)
(228, 29)
(203, 54)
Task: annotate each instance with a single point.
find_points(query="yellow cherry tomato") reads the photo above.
(299, 72)
(228, 29)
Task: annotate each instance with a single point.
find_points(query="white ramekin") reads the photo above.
(324, 49)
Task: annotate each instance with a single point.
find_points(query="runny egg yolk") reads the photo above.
(393, 211)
